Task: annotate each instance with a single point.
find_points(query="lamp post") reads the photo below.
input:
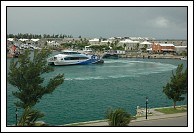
(16, 116)
(146, 106)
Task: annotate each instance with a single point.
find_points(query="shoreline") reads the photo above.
(144, 55)
(138, 57)
(155, 114)
(131, 55)
(152, 57)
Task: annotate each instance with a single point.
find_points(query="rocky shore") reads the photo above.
(152, 56)
(129, 55)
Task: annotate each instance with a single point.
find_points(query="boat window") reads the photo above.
(67, 58)
(82, 58)
(75, 58)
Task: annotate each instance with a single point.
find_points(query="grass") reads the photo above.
(184, 106)
(166, 110)
(178, 109)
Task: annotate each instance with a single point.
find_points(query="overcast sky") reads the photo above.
(95, 22)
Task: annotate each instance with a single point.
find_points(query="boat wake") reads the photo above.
(120, 69)
(127, 69)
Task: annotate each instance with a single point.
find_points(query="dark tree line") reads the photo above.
(36, 36)
(26, 36)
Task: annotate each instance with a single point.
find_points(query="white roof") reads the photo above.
(94, 40)
(133, 38)
(10, 39)
(145, 42)
(128, 41)
(35, 40)
(23, 39)
(166, 44)
(112, 38)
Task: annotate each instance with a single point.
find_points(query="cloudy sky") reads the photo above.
(157, 22)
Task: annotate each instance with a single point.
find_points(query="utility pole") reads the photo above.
(146, 106)
(16, 116)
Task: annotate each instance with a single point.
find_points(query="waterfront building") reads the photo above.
(10, 41)
(129, 44)
(69, 40)
(87, 49)
(161, 48)
(180, 49)
(106, 42)
(145, 45)
(111, 38)
(94, 41)
(53, 44)
(176, 42)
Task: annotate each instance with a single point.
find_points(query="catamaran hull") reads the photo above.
(86, 62)
(74, 58)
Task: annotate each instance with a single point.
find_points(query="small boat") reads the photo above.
(70, 57)
(110, 56)
(183, 58)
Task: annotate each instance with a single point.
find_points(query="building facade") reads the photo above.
(161, 48)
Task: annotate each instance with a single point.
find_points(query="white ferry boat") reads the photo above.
(69, 57)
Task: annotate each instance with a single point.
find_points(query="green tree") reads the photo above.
(25, 74)
(177, 86)
(145, 47)
(45, 44)
(118, 117)
(29, 117)
(183, 53)
(124, 45)
(137, 46)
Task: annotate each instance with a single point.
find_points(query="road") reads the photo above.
(157, 120)
(175, 121)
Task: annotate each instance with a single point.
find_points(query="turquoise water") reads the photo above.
(89, 90)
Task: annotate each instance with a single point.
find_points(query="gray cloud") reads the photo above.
(158, 22)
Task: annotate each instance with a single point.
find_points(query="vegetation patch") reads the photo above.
(179, 109)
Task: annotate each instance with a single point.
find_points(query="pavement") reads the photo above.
(149, 117)
(155, 115)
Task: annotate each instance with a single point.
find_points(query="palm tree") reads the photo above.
(124, 45)
(118, 117)
(29, 117)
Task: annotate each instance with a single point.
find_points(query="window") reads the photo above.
(75, 58)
